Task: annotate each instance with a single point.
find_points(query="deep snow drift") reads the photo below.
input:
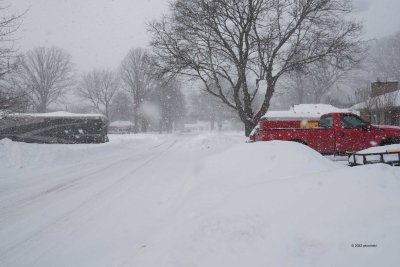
(185, 200)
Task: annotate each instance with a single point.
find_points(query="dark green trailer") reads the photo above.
(54, 128)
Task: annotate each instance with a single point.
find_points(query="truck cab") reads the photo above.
(351, 133)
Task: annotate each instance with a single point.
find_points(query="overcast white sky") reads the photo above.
(98, 33)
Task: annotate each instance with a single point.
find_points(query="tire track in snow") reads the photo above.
(83, 175)
(35, 237)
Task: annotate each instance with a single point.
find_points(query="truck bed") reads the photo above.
(320, 139)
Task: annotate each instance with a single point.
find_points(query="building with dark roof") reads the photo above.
(383, 105)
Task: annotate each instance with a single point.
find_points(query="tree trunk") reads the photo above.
(160, 126)
(248, 127)
(42, 107)
(144, 125)
(219, 123)
(248, 124)
(168, 125)
(107, 112)
(271, 82)
(135, 120)
(212, 124)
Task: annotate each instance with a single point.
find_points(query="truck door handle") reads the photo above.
(341, 134)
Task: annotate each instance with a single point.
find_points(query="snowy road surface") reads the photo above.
(187, 200)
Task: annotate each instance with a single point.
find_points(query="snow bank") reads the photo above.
(214, 140)
(280, 204)
(263, 161)
(38, 156)
(121, 124)
(10, 154)
(16, 155)
(199, 126)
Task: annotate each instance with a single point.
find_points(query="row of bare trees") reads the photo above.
(43, 76)
(135, 88)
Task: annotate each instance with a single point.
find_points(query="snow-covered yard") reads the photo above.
(193, 200)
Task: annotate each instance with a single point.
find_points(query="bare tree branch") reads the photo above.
(46, 73)
(99, 87)
(138, 76)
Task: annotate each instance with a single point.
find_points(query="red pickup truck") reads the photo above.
(337, 133)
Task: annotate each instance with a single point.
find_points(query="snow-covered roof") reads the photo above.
(121, 124)
(289, 115)
(2, 114)
(56, 114)
(393, 98)
(304, 111)
(317, 108)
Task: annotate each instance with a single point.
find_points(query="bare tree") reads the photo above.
(170, 101)
(244, 42)
(323, 77)
(315, 82)
(137, 72)
(9, 24)
(99, 88)
(208, 108)
(121, 107)
(10, 97)
(46, 73)
(295, 85)
(385, 57)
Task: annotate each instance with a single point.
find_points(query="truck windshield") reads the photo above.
(352, 122)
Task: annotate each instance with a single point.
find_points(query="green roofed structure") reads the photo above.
(54, 128)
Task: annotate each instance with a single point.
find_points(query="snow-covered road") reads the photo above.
(187, 200)
(55, 207)
(99, 209)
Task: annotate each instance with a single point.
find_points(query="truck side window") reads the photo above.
(326, 122)
(352, 122)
